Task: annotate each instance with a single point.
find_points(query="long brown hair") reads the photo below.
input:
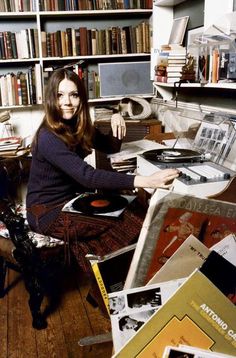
(83, 130)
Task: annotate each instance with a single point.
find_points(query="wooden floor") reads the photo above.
(72, 319)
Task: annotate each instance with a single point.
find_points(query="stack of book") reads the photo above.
(176, 61)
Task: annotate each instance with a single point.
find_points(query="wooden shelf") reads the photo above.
(168, 2)
(93, 13)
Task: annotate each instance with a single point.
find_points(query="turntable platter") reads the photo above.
(173, 155)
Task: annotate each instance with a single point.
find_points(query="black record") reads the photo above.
(99, 203)
(172, 155)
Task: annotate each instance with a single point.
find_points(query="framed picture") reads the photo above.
(178, 30)
(194, 34)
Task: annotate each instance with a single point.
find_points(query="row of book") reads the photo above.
(90, 78)
(74, 5)
(84, 41)
(18, 5)
(214, 65)
(180, 287)
(65, 5)
(21, 44)
(23, 88)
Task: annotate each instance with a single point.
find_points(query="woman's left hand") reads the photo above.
(118, 126)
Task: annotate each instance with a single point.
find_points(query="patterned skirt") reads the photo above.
(97, 235)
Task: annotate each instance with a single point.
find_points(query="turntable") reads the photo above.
(199, 175)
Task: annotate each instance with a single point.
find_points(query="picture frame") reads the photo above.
(178, 30)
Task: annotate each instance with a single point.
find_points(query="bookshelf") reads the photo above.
(44, 49)
(164, 11)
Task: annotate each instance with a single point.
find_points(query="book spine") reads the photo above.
(19, 92)
(7, 43)
(38, 84)
(13, 45)
(69, 41)
(2, 47)
(83, 41)
(44, 43)
(48, 44)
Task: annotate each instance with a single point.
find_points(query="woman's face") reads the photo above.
(68, 99)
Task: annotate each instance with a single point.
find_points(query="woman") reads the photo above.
(59, 172)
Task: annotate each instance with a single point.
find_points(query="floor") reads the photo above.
(72, 319)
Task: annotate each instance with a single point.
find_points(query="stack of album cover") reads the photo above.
(181, 287)
(103, 113)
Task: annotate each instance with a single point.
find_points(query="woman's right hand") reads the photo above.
(160, 179)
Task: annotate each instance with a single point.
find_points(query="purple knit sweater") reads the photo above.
(57, 174)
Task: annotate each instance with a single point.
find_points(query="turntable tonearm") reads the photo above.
(199, 177)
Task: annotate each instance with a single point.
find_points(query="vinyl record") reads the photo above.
(99, 203)
(172, 155)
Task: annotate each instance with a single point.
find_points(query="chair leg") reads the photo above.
(36, 293)
(31, 270)
(3, 271)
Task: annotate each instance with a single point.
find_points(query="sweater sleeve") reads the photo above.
(54, 150)
(106, 143)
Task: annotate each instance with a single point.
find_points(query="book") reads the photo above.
(130, 309)
(197, 314)
(110, 270)
(149, 239)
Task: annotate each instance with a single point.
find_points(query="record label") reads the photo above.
(99, 203)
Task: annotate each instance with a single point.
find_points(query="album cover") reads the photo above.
(227, 248)
(222, 273)
(178, 224)
(190, 255)
(99, 204)
(130, 309)
(108, 277)
(197, 314)
(184, 351)
(149, 238)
